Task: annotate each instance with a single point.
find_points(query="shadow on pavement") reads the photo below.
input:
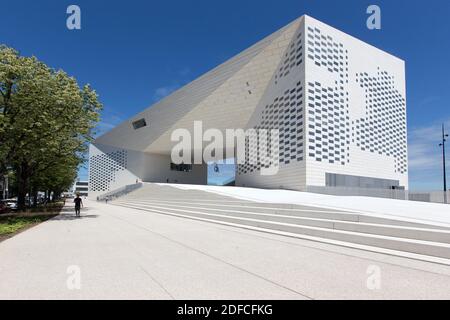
(72, 210)
(68, 213)
(67, 216)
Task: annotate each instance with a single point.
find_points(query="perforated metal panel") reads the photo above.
(328, 53)
(285, 114)
(292, 58)
(328, 110)
(328, 137)
(331, 128)
(104, 167)
(383, 129)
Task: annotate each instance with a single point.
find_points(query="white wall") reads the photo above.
(351, 98)
(282, 107)
(111, 168)
(362, 59)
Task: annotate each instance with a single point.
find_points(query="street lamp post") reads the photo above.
(444, 136)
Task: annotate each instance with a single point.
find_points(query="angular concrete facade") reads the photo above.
(338, 103)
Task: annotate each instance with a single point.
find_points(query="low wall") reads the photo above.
(432, 196)
(362, 192)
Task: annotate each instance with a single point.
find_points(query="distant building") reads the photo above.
(81, 188)
(339, 105)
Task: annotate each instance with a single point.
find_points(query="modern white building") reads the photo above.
(339, 105)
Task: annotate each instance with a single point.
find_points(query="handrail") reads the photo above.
(117, 193)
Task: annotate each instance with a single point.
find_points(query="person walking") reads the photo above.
(78, 204)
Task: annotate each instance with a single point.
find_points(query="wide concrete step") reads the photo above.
(317, 219)
(382, 236)
(174, 194)
(226, 201)
(169, 191)
(255, 207)
(263, 208)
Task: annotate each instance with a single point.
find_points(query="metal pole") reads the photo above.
(444, 136)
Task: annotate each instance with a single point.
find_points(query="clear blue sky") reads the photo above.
(135, 52)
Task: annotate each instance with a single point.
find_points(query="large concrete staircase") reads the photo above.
(357, 230)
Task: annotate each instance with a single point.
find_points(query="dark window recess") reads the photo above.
(342, 180)
(181, 167)
(139, 124)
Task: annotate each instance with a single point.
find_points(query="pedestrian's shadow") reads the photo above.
(72, 210)
(66, 216)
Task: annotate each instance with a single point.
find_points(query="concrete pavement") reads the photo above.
(121, 253)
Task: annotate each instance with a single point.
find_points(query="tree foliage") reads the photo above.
(46, 122)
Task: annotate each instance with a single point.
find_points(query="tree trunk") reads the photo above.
(22, 181)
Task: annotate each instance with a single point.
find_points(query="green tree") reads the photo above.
(46, 122)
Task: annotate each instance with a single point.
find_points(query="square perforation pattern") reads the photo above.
(284, 114)
(103, 169)
(328, 115)
(383, 128)
(292, 58)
